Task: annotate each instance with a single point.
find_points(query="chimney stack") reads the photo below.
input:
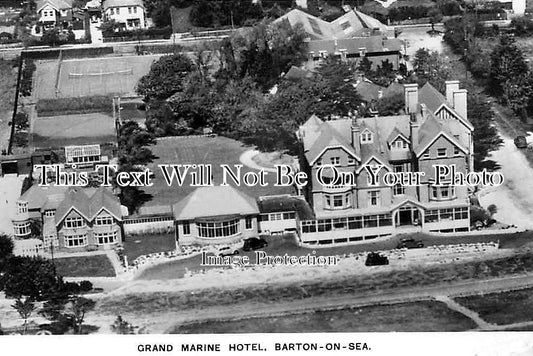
(451, 87)
(459, 102)
(414, 127)
(411, 98)
(356, 133)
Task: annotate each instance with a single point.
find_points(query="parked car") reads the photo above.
(520, 142)
(410, 243)
(254, 243)
(376, 259)
(227, 251)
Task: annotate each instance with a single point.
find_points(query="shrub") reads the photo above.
(86, 286)
(84, 104)
(28, 68)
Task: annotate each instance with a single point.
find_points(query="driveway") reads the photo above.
(514, 199)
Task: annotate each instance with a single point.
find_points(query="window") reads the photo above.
(117, 10)
(460, 213)
(399, 144)
(135, 9)
(50, 241)
(431, 216)
(370, 221)
(443, 193)
(339, 224)
(373, 197)
(49, 213)
(324, 225)
(111, 11)
(366, 137)
(446, 214)
(426, 154)
(398, 189)
(263, 217)
(218, 229)
(248, 223)
(385, 220)
(22, 228)
(106, 238)
(76, 240)
(335, 161)
(355, 222)
(103, 220)
(308, 226)
(318, 162)
(22, 207)
(276, 216)
(338, 201)
(456, 151)
(289, 216)
(186, 227)
(129, 10)
(441, 152)
(351, 160)
(73, 223)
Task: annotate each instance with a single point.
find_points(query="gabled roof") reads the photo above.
(371, 44)
(328, 138)
(43, 198)
(430, 131)
(214, 201)
(88, 203)
(56, 4)
(394, 134)
(122, 3)
(435, 101)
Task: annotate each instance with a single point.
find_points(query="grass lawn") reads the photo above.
(85, 266)
(135, 246)
(200, 150)
(502, 308)
(77, 129)
(414, 317)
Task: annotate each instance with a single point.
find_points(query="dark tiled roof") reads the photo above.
(283, 203)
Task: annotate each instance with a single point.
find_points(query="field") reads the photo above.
(502, 308)
(85, 266)
(406, 317)
(198, 150)
(59, 131)
(87, 77)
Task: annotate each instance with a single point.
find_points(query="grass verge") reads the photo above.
(85, 266)
(407, 317)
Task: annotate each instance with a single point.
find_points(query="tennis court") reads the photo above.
(87, 77)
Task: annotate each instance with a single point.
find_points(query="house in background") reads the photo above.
(55, 13)
(434, 130)
(69, 219)
(129, 13)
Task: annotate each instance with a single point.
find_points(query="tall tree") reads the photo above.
(24, 309)
(507, 63)
(430, 66)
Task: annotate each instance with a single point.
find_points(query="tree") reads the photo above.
(507, 64)
(485, 135)
(431, 67)
(165, 77)
(21, 121)
(6, 248)
(33, 277)
(76, 309)
(121, 326)
(25, 309)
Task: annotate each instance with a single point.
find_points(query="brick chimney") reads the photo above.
(411, 98)
(451, 87)
(459, 102)
(356, 137)
(414, 127)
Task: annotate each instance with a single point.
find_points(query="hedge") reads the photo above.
(137, 35)
(81, 105)
(28, 68)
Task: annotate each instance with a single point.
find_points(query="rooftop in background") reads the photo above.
(352, 24)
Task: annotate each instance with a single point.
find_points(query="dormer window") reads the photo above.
(22, 207)
(399, 144)
(318, 162)
(426, 154)
(456, 151)
(351, 160)
(366, 137)
(441, 152)
(336, 161)
(362, 52)
(103, 220)
(49, 213)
